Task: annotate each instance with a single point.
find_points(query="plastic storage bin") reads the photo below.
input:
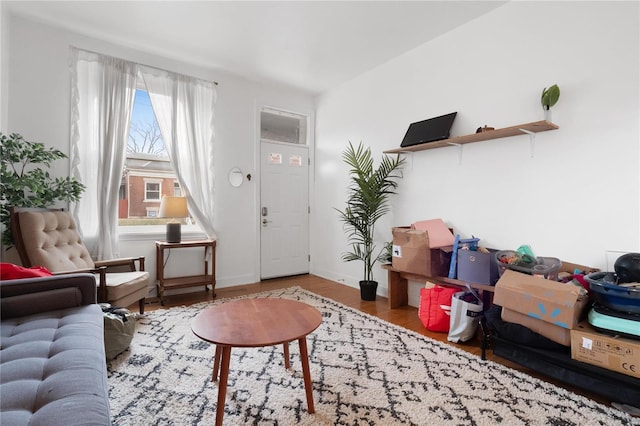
(604, 289)
(545, 267)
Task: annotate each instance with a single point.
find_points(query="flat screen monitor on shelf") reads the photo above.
(430, 130)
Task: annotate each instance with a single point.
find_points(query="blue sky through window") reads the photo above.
(142, 109)
(144, 133)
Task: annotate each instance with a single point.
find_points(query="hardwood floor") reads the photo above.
(406, 317)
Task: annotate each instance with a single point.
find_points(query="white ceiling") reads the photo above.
(311, 45)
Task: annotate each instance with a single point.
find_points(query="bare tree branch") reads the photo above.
(145, 137)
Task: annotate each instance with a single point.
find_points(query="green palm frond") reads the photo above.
(367, 201)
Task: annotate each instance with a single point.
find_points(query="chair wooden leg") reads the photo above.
(141, 305)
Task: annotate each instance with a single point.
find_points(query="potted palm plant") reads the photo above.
(367, 201)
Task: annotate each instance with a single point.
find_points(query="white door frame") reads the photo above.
(258, 168)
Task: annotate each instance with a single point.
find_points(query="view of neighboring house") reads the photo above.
(145, 180)
(147, 174)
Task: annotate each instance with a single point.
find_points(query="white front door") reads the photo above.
(284, 212)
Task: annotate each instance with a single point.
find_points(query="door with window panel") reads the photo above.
(284, 194)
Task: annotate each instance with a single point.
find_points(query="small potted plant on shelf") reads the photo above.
(548, 99)
(25, 179)
(367, 201)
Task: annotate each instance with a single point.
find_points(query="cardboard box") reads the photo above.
(553, 332)
(613, 353)
(412, 253)
(439, 233)
(553, 302)
(477, 267)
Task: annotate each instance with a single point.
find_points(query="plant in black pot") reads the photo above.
(367, 201)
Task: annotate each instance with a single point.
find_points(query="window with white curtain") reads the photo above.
(148, 174)
(104, 91)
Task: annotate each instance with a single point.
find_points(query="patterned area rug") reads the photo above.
(365, 372)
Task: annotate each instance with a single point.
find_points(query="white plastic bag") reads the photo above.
(466, 308)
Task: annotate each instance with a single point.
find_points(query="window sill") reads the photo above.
(156, 232)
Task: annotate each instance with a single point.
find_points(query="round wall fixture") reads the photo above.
(235, 177)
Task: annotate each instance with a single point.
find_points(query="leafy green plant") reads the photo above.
(367, 201)
(25, 180)
(550, 96)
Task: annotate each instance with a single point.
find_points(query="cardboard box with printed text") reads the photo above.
(551, 331)
(613, 353)
(559, 305)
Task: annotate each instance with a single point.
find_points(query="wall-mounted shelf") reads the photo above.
(522, 129)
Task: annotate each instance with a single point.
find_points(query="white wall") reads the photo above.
(575, 199)
(38, 108)
(4, 61)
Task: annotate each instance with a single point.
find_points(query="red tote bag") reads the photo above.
(435, 308)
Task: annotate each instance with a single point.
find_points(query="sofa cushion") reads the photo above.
(53, 368)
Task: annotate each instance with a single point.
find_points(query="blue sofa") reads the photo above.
(52, 358)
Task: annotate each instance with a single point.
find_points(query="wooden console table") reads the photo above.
(205, 279)
(398, 286)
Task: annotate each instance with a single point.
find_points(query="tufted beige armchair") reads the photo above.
(49, 238)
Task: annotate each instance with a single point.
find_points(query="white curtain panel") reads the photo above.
(103, 91)
(184, 107)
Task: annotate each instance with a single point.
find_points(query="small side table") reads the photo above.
(205, 279)
(233, 325)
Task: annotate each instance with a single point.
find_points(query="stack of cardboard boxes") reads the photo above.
(550, 308)
(556, 311)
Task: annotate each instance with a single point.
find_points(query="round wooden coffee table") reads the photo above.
(255, 323)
